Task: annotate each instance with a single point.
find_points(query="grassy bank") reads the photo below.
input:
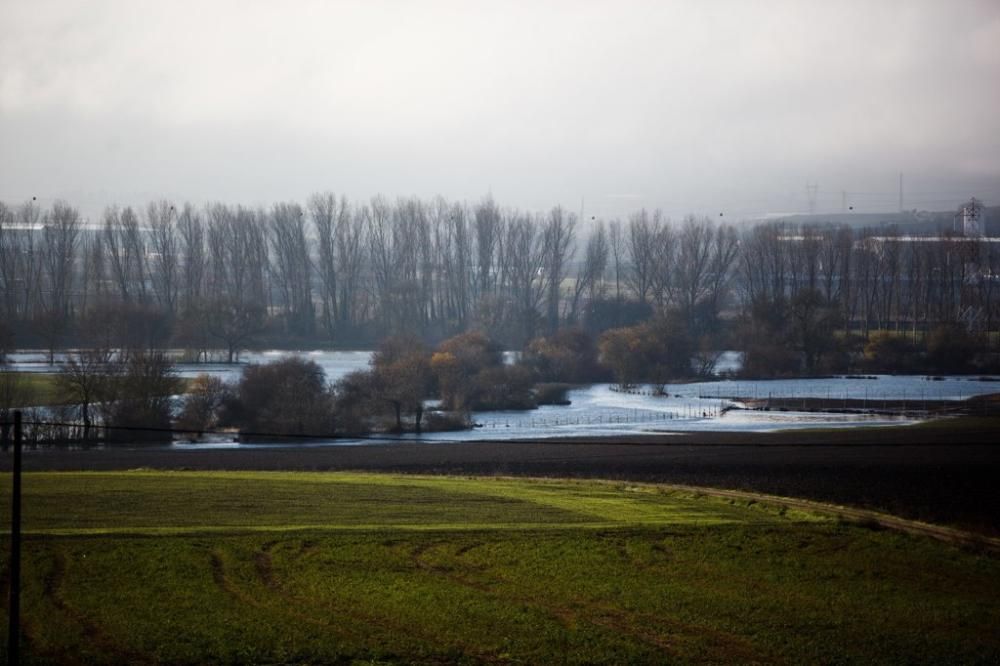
(318, 568)
(29, 389)
(34, 389)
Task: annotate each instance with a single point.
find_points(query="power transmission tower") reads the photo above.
(812, 190)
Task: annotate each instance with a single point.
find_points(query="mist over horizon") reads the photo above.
(686, 107)
(537, 332)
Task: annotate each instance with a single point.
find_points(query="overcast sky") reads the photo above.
(704, 106)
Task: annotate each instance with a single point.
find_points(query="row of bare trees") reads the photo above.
(875, 279)
(354, 273)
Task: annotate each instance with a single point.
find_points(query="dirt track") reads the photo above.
(942, 475)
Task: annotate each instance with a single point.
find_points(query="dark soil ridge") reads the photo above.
(943, 472)
(862, 517)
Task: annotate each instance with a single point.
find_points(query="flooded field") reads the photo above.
(603, 410)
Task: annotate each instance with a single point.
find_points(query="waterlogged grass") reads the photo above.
(33, 388)
(317, 568)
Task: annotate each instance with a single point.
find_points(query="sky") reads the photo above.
(701, 107)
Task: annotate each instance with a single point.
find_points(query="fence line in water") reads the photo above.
(688, 411)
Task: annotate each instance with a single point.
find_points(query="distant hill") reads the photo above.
(913, 221)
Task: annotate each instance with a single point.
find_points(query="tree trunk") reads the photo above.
(85, 409)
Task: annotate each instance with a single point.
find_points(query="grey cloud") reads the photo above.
(694, 106)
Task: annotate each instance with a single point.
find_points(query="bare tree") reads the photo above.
(725, 251)
(664, 255)
(831, 260)
(488, 226)
(453, 249)
(616, 240)
(557, 238)
(764, 264)
(351, 255)
(326, 215)
(382, 256)
(591, 271)
(9, 257)
(84, 379)
(59, 241)
(234, 322)
(868, 275)
(20, 261)
(804, 258)
(164, 260)
(693, 271)
(527, 257)
(237, 297)
(192, 249)
(641, 245)
(292, 266)
(126, 253)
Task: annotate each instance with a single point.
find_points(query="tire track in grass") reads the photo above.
(264, 569)
(264, 566)
(29, 629)
(224, 583)
(723, 646)
(98, 637)
(566, 617)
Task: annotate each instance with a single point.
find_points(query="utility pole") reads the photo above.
(14, 614)
(901, 192)
(843, 201)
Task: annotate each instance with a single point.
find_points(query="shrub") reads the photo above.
(653, 352)
(354, 405)
(447, 421)
(402, 378)
(603, 314)
(950, 349)
(286, 397)
(503, 387)
(203, 403)
(139, 395)
(770, 359)
(889, 352)
(456, 365)
(552, 394)
(568, 356)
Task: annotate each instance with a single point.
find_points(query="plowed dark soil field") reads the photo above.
(945, 471)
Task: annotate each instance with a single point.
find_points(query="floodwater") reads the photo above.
(600, 410)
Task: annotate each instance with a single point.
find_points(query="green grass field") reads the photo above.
(186, 567)
(31, 389)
